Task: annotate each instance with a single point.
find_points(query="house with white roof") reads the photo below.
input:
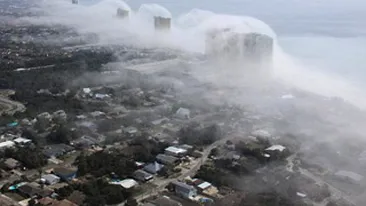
(6, 144)
(183, 113)
(279, 148)
(22, 141)
(175, 151)
(126, 183)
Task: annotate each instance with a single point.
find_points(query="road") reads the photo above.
(191, 172)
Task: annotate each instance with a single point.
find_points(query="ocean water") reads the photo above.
(320, 45)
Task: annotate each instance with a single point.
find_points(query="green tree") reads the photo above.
(131, 202)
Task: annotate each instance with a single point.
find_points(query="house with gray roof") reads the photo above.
(183, 113)
(143, 176)
(184, 190)
(167, 159)
(50, 179)
(153, 168)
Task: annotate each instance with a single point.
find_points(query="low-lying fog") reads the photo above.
(319, 47)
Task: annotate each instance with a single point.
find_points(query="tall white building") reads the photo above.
(122, 13)
(162, 23)
(247, 48)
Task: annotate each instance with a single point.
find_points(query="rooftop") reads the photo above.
(77, 197)
(130, 130)
(165, 201)
(11, 163)
(50, 177)
(6, 201)
(166, 159)
(276, 147)
(7, 144)
(204, 185)
(153, 167)
(56, 150)
(63, 171)
(21, 140)
(175, 150)
(261, 133)
(126, 183)
(141, 174)
(182, 186)
(32, 189)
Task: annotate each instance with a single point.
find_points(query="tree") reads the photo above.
(214, 152)
(103, 163)
(95, 200)
(60, 135)
(113, 194)
(131, 202)
(30, 157)
(32, 202)
(193, 134)
(82, 164)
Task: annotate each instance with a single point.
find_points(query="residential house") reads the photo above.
(53, 202)
(76, 197)
(22, 141)
(149, 204)
(97, 114)
(56, 150)
(11, 163)
(87, 91)
(167, 159)
(276, 152)
(153, 168)
(50, 179)
(184, 190)
(126, 183)
(64, 202)
(46, 201)
(175, 151)
(139, 165)
(88, 126)
(34, 190)
(279, 148)
(130, 130)
(188, 148)
(7, 201)
(6, 144)
(66, 174)
(143, 176)
(183, 113)
(164, 201)
(119, 110)
(84, 142)
(160, 121)
(102, 96)
(205, 188)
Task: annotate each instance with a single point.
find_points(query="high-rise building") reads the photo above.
(228, 45)
(162, 23)
(122, 13)
(75, 1)
(258, 47)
